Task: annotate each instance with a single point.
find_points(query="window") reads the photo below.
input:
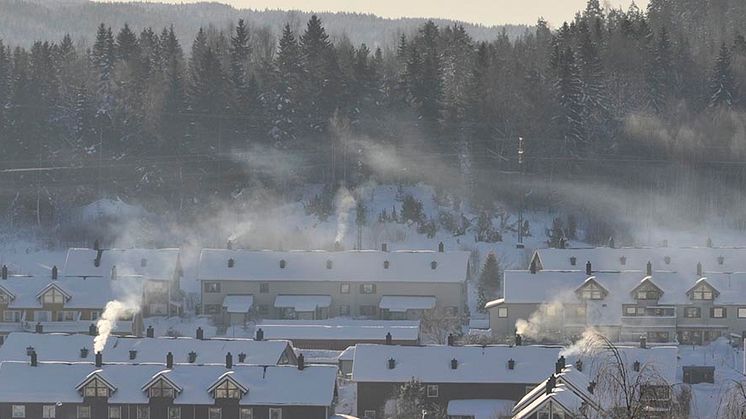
(227, 390)
(4, 299)
(630, 310)
(143, 412)
(246, 413)
(718, 312)
(264, 287)
(96, 388)
(369, 414)
(696, 375)
(692, 312)
(53, 297)
(367, 288)
(275, 413)
(502, 312)
(702, 292)
(432, 390)
(84, 412)
(344, 310)
(212, 287)
(591, 292)
(115, 412)
(18, 411)
(66, 316)
(647, 295)
(11, 316)
(344, 288)
(47, 411)
(368, 310)
(214, 413)
(174, 412)
(741, 312)
(161, 389)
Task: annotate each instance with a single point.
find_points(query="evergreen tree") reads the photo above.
(288, 90)
(239, 53)
(489, 281)
(127, 47)
(569, 93)
(722, 84)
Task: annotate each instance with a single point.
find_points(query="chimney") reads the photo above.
(563, 243)
(562, 361)
(588, 268)
(97, 261)
(259, 334)
(113, 272)
(133, 354)
(30, 349)
(200, 333)
(511, 364)
(388, 338)
(699, 269)
(558, 367)
(34, 359)
(636, 366)
(573, 260)
(228, 360)
(99, 359)
(450, 339)
(150, 332)
(643, 342)
(242, 357)
(579, 365)
(551, 383)
(54, 272)
(84, 353)
(169, 361)
(649, 269)
(611, 242)
(532, 267)
(709, 242)
(229, 245)
(96, 245)
(384, 247)
(392, 363)
(301, 362)
(518, 340)
(192, 357)
(39, 328)
(441, 247)
(4, 270)
(338, 246)
(591, 387)
(454, 363)
(92, 329)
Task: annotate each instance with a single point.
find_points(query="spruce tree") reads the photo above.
(569, 93)
(722, 84)
(489, 281)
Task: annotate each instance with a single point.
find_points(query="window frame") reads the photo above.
(214, 412)
(212, 287)
(277, 410)
(369, 414)
(502, 312)
(264, 288)
(117, 409)
(345, 310)
(45, 411)
(142, 411)
(83, 412)
(171, 410)
(724, 312)
(56, 297)
(15, 316)
(246, 413)
(160, 388)
(18, 411)
(738, 312)
(432, 391)
(98, 388)
(227, 390)
(368, 288)
(344, 288)
(697, 309)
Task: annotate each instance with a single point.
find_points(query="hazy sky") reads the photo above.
(488, 12)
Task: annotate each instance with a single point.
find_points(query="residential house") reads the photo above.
(312, 285)
(448, 373)
(159, 269)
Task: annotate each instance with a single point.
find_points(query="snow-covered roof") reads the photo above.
(658, 363)
(574, 380)
(340, 329)
(26, 291)
(238, 303)
(682, 260)
(432, 364)
(480, 409)
(561, 394)
(348, 354)
(57, 347)
(348, 266)
(303, 302)
(159, 264)
(271, 385)
(398, 303)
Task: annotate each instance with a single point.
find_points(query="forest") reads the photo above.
(646, 100)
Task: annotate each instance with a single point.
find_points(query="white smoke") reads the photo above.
(544, 323)
(589, 343)
(343, 202)
(108, 322)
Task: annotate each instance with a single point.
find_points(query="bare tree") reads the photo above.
(437, 324)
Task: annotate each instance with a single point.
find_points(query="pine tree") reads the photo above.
(722, 84)
(429, 85)
(489, 281)
(287, 91)
(660, 73)
(239, 52)
(569, 92)
(127, 47)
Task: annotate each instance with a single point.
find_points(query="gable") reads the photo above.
(646, 286)
(702, 290)
(591, 290)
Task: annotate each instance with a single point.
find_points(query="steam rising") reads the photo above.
(108, 322)
(344, 202)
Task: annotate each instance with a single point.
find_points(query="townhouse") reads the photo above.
(53, 304)
(495, 374)
(691, 307)
(159, 270)
(238, 285)
(339, 334)
(85, 390)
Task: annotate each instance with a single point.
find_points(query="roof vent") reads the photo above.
(699, 269)
(231, 262)
(721, 260)
(150, 332)
(451, 339)
(283, 264)
(54, 272)
(433, 265)
(113, 272)
(228, 360)
(511, 364)
(384, 247)
(591, 387)
(623, 260)
(259, 334)
(229, 245)
(192, 357)
(301, 362)
(99, 359)
(133, 354)
(532, 267)
(588, 268)
(34, 359)
(96, 245)
(143, 262)
(200, 333)
(242, 357)
(97, 261)
(4, 270)
(649, 268)
(551, 383)
(667, 260)
(39, 328)
(329, 264)
(84, 352)
(392, 363)
(441, 247)
(170, 361)
(709, 242)
(386, 264)
(29, 349)
(454, 364)
(579, 365)
(573, 260)
(636, 366)
(611, 242)
(388, 338)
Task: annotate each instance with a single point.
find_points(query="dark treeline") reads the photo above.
(174, 123)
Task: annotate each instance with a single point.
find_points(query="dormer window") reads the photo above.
(96, 388)
(328, 264)
(647, 291)
(161, 389)
(227, 390)
(53, 296)
(4, 299)
(283, 264)
(647, 295)
(703, 291)
(592, 292)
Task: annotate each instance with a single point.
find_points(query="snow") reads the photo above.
(272, 385)
(303, 303)
(180, 326)
(110, 208)
(348, 354)
(159, 264)
(238, 303)
(402, 303)
(348, 266)
(25, 292)
(319, 356)
(340, 329)
(480, 409)
(432, 364)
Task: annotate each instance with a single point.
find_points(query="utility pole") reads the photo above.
(521, 151)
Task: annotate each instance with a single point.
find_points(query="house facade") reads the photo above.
(694, 307)
(315, 285)
(448, 373)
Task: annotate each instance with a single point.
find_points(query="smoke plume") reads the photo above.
(344, 202)
(108, 322)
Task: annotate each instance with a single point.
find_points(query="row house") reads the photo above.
(238, 285)
(54, 304)
(499, 375)
(663, 306)
(159, 270)
(84, 390)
